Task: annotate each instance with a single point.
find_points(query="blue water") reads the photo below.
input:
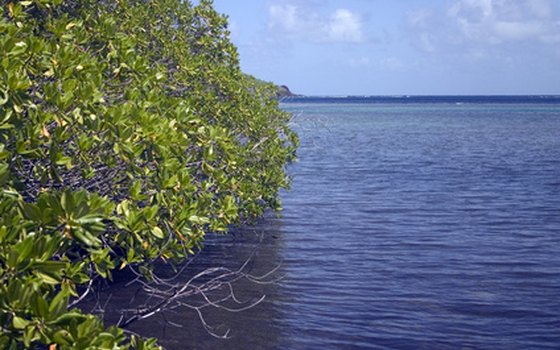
(412, 223)
(429, 225)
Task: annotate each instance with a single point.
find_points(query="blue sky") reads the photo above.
(396, 47)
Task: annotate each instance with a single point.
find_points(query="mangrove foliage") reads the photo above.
(127, 133)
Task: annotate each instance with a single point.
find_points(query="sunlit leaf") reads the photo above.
(158, 233)
(19, 323)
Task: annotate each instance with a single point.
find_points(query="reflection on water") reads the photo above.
(181, 328)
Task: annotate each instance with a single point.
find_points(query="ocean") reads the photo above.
(412, 223)
(425, 223)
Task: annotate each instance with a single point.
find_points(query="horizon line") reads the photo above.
(422, 95)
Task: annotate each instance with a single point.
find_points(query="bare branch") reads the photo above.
(210, 288)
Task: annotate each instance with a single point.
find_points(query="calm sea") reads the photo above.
(412, 223)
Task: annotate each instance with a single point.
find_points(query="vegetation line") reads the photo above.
(127, 132)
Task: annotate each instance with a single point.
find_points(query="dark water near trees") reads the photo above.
(424, 225)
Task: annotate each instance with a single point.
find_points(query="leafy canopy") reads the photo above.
(127, 132)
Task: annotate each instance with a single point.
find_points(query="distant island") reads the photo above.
(284, 91)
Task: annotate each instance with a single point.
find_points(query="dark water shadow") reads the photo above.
(257, 248)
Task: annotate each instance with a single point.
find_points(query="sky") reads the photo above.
(399, 47)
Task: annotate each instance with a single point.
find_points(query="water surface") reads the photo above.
(424, 224)
(427, 225)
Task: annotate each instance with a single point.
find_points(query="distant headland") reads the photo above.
(284, 91)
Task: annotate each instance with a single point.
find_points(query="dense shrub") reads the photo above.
(127, 132)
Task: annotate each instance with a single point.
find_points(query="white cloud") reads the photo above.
(502, 21)
(484, 26)
(420, 18)
(540, 8)
(422, 24)
(518, 30)
(342, 25)
(284, 17)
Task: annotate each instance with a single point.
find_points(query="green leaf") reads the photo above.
(19, 48)
(24, 248)
(50, 267)
(195, 219)
(90, 219)
(47, 278)
(4, 174)
(40, 306)
(66, 201)
(58, 305)
(68, 317)
(158, 233)
(3, 100)
(86, 238)
(63, 337)
(135, 189)
(31, 212)
(28, 336)
(19, 323)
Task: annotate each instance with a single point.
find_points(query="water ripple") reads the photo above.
(423, 228)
